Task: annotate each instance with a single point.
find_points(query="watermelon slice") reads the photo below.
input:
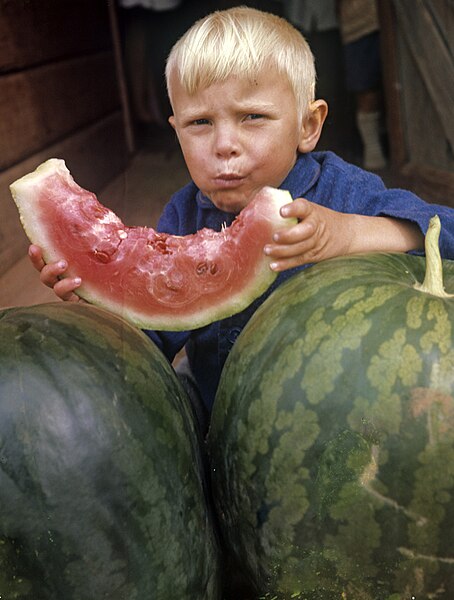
(154, 280)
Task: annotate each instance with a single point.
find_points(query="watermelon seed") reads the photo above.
(201, 268)
(102, 256)
(204, 267)
(160, 245)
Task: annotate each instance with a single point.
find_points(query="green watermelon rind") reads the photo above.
(102, 487)
(322, 448)
(25, 191)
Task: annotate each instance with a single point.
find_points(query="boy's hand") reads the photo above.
(319, 234)
(50, 275)
(323, 233)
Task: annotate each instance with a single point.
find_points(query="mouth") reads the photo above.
(228, 180)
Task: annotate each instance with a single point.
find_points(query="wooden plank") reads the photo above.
(431, 55)
(21, 286)
(37, 31)
(121, 77)
(391, 82)
(443, 15)
(41, 105)
(94, 156)
(431, 184)
(428, 145)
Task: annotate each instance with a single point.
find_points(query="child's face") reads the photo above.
(237, 136)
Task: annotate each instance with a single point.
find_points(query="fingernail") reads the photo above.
(77, 280)
(273, 266)
(62, 264)
(267, 250)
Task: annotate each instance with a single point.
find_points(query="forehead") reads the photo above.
(269, 84)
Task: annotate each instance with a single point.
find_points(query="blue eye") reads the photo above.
(200, 121)
(255, 116)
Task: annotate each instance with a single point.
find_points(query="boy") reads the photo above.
(241, 84)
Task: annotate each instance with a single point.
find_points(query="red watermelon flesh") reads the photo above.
(154, 280)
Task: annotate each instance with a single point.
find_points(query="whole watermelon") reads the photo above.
(332, 437)
(101, 486)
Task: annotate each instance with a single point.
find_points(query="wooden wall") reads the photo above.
(418, 51)
(59, 97)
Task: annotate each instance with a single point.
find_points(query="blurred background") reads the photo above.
(83, 80)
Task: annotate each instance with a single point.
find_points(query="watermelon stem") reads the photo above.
(433, 279)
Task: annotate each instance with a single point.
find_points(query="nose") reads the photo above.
(226, 140)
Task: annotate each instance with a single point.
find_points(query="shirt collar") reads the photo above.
(203, 201)
(298, 182)
(303, 176)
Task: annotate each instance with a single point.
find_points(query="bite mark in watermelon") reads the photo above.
(154, 280)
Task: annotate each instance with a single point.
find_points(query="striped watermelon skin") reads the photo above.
(101, 486)
(332, 436)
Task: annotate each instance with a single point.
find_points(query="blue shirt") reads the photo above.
(322, 178)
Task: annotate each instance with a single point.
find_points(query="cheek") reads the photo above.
(278, 170)
(279, 147)
(193, 158)
(198, 167)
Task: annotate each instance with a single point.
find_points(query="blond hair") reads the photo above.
(242, 42)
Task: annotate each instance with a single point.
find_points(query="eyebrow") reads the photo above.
(257, 107)
(247, 106)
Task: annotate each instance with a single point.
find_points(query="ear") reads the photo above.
(172, 121)
(312, 126)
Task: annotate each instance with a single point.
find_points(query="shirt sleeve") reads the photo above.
(347, 188)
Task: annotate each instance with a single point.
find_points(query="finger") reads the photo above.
(291, 235)
(296, 240)
(36, 257)
(289, 263)
(64, 289)
(51, 273)
(287, 256)
(298, 209)
(288, 250)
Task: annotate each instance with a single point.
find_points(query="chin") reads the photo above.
(229, 204)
